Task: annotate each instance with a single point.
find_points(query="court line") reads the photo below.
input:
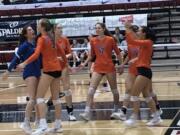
(21, 85)
(80, 110)
(120, 128)
(173, 124)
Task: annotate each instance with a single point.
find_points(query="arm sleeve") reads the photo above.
(14, 62)
(92, 54)
(115, 47)
(68, 47)
(63, 55)
(37, 52)
(16, 59)
(136, 42)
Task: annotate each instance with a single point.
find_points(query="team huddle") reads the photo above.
(50, 51)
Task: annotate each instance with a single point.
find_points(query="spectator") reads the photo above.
(118, 36)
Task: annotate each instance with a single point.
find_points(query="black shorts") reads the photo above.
(54, 74)
(146, 72)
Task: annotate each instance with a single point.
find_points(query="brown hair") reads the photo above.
(49, 28)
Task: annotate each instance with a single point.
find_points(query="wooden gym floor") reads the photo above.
(165, 84)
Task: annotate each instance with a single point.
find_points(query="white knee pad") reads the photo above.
(115, 91)
(134, 98)
(127, 97)
(148, 99)
(152, 94)
(91, 91)
(40, 100)
(56, 102)
(32, 102)
(68, 92)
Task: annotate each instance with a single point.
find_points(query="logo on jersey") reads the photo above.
(101, 49)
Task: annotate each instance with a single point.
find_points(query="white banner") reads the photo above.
(83, 26)
(118, 21)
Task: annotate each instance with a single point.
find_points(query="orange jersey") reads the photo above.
(64, 44)
(133, 53)
(102, 50)
(50, 61)
(145, 50)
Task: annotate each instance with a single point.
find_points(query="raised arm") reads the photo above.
(131, 40)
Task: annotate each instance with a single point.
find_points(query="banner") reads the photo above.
(83, 26)
(49, 4)
(11, 30)
(119, 20)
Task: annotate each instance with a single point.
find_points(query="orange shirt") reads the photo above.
(133, 53)
(145, 50)
(102, 49)
(50, 61)
(64, 44)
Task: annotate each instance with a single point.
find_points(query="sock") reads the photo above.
(157, 106)
(116, 107)
(124, 109)
(87, 109)
(26, 120)
(69, 109)
(43, 123)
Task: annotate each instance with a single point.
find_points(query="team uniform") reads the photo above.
(133, 53)
(102, 50)
(143, 69)
(63, 48)
(51, 67)
(144, 56)
(24, 51)
(64, 45)
(50, 62)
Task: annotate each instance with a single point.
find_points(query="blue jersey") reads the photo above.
(25, 50)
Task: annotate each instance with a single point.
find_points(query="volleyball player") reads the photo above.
(131, 76)
(101, 49)
(31, 73)
(142, 82)
(46, 46)
(63, 42)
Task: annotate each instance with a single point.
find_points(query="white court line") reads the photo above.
(80, 110)
(12, 87)
(95, 128)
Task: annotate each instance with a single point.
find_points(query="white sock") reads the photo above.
(156, 114)
(57, 123)
(26, 120)
(43, 123)
(87, 109)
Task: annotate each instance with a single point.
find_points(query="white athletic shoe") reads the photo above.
(36, 123)
(85, 116)
(42, 128)
(57, 127)
(26, 127)
(154, 121)
(131, 122)
(160, 111)
(118, 116)
(40, 131)
(71, 117)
